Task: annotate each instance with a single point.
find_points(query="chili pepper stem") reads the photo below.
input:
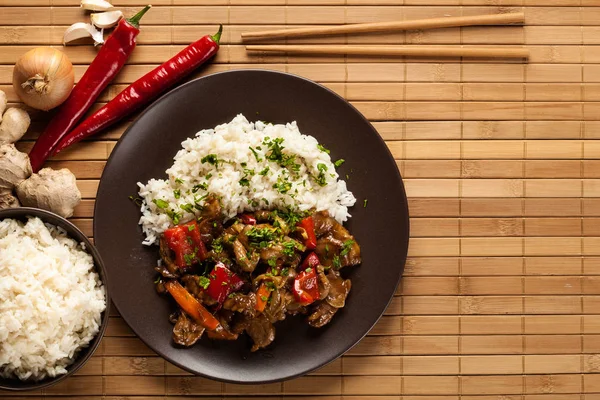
(135, 20)
(217, 36)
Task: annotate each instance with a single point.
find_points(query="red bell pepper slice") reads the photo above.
(191, 306)
(310, 241)
(223, 282)
(311, 261)
(193, 231)
(185, 241)
(306, 287)
(248, 219)
(177, 241)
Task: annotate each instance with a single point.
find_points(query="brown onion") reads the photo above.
(43, 78)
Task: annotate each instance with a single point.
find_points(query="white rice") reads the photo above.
(162, 200)
(51, 300)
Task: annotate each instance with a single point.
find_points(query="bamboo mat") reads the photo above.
(501, 164)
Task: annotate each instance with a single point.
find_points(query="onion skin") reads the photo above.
(43, 78)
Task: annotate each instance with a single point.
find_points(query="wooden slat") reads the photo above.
(501, 165)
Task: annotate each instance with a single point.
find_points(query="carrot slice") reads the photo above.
(191, 306)
(262, 296)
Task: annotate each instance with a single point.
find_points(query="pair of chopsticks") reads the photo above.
(416, 51)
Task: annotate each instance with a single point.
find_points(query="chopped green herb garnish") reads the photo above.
(161, 203)
(204, 282)
(365, 203)
(272, 262)
(346, 247)
(285, 271)
(264, 171)
(179, 180)
(189, 259)
(308, 270)
(264, 298)
(187, 207)
(177, 193)
(203, 186)
(191, 227)
(260, 234)
(217, 245)
(322, 148)
(258, 159)
(175, 216)
(244, 182)
(336, 262)
(211, 159)
(339, 162)
(288, 248)
(157, 280)
(283, 185)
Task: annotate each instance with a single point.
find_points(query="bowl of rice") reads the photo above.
(54, 304)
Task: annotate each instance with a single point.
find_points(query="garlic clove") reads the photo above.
(81, 30)
(106, 19)
(96, 5)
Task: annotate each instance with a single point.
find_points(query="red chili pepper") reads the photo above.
(108, 62)
(310, 241)
(185, 241)
(306, 287)
(223, 282)
(248, 219)
(311, 261)
(145, 89)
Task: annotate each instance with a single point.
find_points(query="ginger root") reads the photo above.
(52, 190)
(14, 167)
(13, 124)
(8, 200)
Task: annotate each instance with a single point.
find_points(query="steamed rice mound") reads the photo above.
(51, 300)
(249, 166)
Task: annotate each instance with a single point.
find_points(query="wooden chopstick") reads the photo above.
(430, 23)
(414, 51)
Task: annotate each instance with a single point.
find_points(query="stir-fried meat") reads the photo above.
(292, 306)
(245, 274)
(338, 291)
(321, 315)
(336, 247)
(186, 332)
(263, 215)
(275, 310)
(261, 331)
(211, 208)
(335, 300)
(192, 284)
(323, 282)
(160, 287)
(323, 223)
(242, 303)
(246, 260)
(210, 229)
(168, 268)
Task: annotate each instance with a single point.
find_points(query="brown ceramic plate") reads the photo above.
(381, 228)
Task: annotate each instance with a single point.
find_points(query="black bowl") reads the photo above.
(381, 228)
(73, 232)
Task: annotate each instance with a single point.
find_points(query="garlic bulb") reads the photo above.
(106, 19)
